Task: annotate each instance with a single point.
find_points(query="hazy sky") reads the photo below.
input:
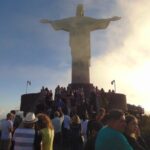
(33, 51)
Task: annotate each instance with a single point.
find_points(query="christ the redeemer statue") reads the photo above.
(79, 28)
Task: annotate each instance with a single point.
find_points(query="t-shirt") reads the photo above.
(57, 123)
(5, 131)
(47, 138)
(24, 139)
(111, 139)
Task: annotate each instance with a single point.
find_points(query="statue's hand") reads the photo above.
(45, 21)
(115, 18)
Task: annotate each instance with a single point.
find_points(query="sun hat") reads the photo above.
(30, 118)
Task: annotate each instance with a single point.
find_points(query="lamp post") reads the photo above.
(113, 82)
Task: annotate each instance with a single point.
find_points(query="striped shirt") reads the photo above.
(24, 139)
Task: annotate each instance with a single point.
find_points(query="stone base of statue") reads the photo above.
(81, 73)
(116, 101)
(35, 102)
(108, 100)
(29, 102)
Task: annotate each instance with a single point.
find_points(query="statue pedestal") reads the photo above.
(34, 102)
(80, 73)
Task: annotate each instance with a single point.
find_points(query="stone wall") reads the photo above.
(30, 102)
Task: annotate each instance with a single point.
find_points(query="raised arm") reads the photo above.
(62, 24)
(101, 23)
(115, 18)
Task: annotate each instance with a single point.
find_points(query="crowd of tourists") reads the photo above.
(61, 128)
(112, 131)
(70, 100)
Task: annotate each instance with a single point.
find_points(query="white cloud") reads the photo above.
(128, 63)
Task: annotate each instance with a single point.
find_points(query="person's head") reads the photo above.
(85, 115)
(116, 120)
(44, 121)
(75, 119)
(79, 10)
(9, 116)
(102, 111)
(57, 114)
(131, 124)
(101, 114)
(29, 120)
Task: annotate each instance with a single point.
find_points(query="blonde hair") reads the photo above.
(76, 119)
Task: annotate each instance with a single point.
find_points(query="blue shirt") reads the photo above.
(7, 126)
(24, 139)
(111, 139)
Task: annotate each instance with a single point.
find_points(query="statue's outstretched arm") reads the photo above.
(45, 21)
(57, 24)
(115, 18)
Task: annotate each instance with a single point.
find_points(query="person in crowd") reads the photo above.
(25, 137)
(6, 132)
(133, 135)
(90, 143)
(13, 114)
(18, 119)
(111, 137)
(59, 103)
(92, 123)
(84, 123)
(57, 123)
(46, 131)
(96, 126)
(66, 131)
(17, 123)
(100, 115)
(76, 140)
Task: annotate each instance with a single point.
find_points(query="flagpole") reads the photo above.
(113, 82)
(115, 86)
(28, 83)
(26, 86)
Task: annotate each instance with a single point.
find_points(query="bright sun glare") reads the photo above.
(141, 75)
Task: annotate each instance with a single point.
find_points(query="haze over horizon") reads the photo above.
(32, 51)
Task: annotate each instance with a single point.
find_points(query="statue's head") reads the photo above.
(79, 10)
